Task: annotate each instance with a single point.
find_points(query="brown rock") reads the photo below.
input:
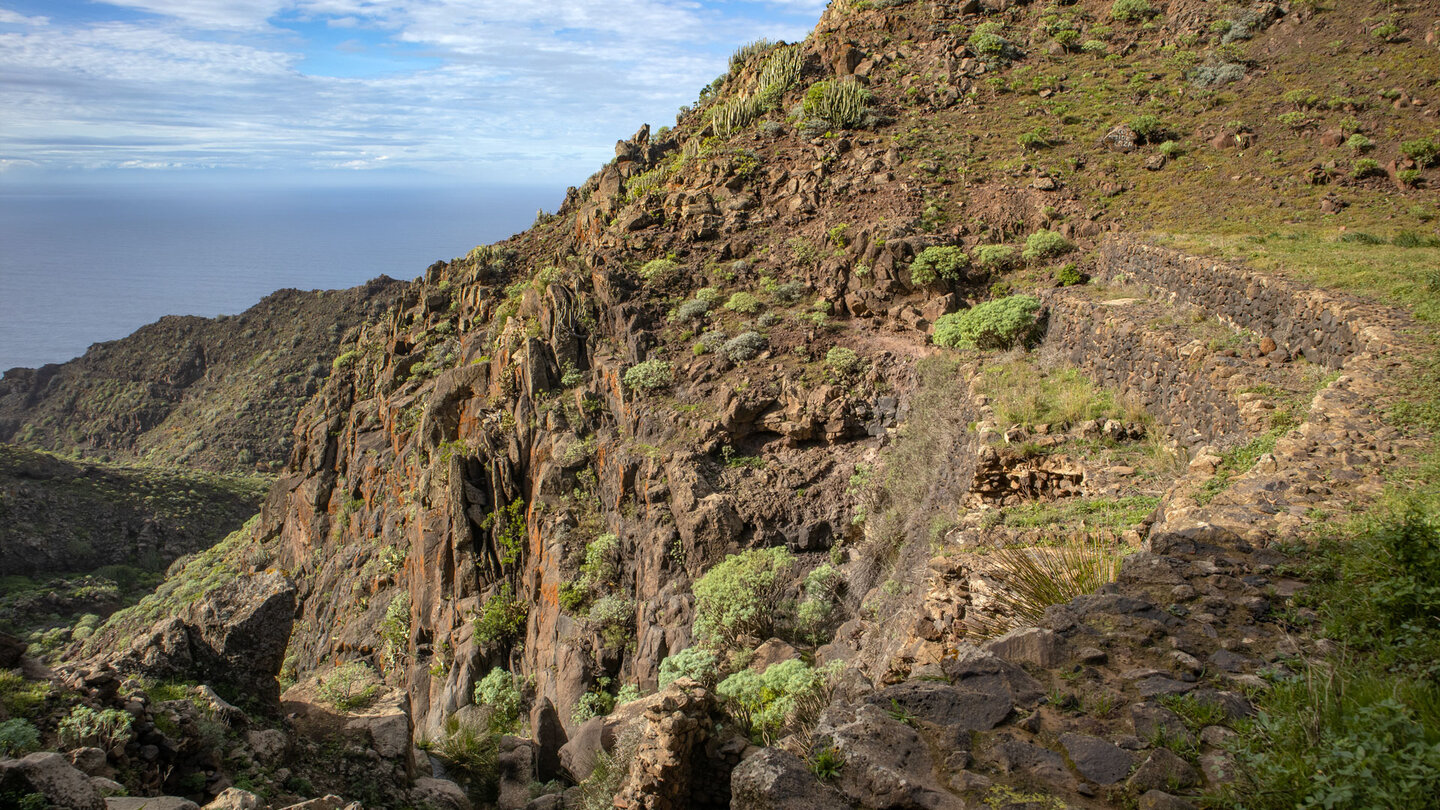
(49, 774)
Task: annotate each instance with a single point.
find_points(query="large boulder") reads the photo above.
(235, 635)
(51, 775)
(774, 779)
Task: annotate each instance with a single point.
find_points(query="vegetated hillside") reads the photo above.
(793, 461)
(215, 394)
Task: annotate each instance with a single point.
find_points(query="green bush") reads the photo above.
(1149, 128)
(740, 595)
(501, 618)
(18, 737)
(744, 346)
(743, 303)
(1131, 11)
(789, 292)
(103, 728)
(842, 360)
(992, 325)
(1044, 244)
(469, 752)
(650, 375)
(697, 663)
(600, 567)
(1424, 151)
(350, 686)
(395, 631)
(987, 41)
(842, 103)
(498, 691)
(994, 258)
(658, 268)
(1069, 275)
(613, 618)
(767, 704)
(1036, 578)
(1366, 167)
(19, 697)
(592, 704)
(948, 263)
(1170, 149)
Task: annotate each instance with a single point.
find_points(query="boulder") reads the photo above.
(1030, 645)
(774, 779)
(149, 803)
(1120, 139)
(548, 732)
(1100, 761)
(235, 799)
(51, 775)
(1162, 770)
(441, 794)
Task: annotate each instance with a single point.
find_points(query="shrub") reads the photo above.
(1069, 275)
(1366, 167)
(501, 618)
(1034, 140)
(1424, 151)
(350, 686)
(1360, 143)
(948, 263)
(814, 612)
(395, 630)
(649, 375)
(740, 595)
(696, 663)
(1094, 46)
(18, 737)
(497, 690)
(658, 268)
(994, 258)
(599, 568)
(1131, 11)
(592, 704)
(1036, 578)
(469, 752)
(768, 703)
(996, 324)
(743, 303)
(789, 292)
(105, 728)
(709, 295)
(842, 360)
(986, 41)
(1045, 244)
(612, 617)
(1217, 74)
(744, 346)
(1170, 149)
(843, 103)
(1293, 119)
(1148, 128)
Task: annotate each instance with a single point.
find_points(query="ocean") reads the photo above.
(78, 266)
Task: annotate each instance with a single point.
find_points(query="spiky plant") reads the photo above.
(1034, 578)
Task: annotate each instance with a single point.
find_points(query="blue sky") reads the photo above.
(503, 91)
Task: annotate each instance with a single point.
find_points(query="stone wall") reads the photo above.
(1323, 326)
(1181, 384)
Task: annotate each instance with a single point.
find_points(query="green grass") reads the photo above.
(1237, 461)
(1115, 513)
(1023, 394)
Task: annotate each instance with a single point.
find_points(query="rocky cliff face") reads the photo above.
(214, 394)
(726, 341)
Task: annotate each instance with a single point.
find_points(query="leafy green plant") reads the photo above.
(395, 631)
(697, 663)
(103, 728)
(826, 763)
(649, 375)
(656, 269)
(612, 616)
(1131, 11)
(592, 704)
(1069, 275)
(1045, 244)
(1360, 143)
(498, 691)
(766, 704)
(743, 303)
(842, 361)
(1424, 151)
(948, 263)
(18, 737)
(508, 522)
(744, 346)
(1366, 167)
(994, 258)
(992, 325)
(740, 595)
(350, 686)
(986, 41)
(1149, 128)
(501, 618)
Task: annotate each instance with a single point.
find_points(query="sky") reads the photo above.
(499, 91)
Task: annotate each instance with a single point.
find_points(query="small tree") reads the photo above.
(1045, 244)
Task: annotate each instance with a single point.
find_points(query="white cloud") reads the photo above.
(524, 89)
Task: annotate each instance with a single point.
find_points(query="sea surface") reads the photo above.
(78, 266)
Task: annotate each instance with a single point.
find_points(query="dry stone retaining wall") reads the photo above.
(1325, 327)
